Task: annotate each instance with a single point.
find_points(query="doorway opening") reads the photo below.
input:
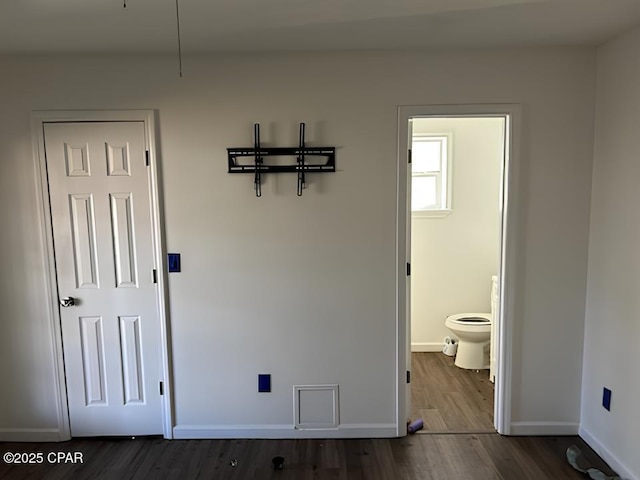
(456, 175)
(455, 235)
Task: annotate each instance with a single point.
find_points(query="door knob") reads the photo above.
(67, 302)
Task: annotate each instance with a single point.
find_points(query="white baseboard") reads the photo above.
(377, 430)
(606, 455)
(30, 435)
(426, 347)
(536, 429)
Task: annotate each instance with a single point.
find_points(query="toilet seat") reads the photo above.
(473, 331)
(470, 319)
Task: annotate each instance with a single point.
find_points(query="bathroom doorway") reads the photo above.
(456, 243)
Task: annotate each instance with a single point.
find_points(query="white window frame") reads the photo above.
(443, 177)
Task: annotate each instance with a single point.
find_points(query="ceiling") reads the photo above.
(104, 26)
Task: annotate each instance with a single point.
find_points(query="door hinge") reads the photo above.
(161, 388)
(146, 157)
(408, 269)
(409, 156)
(408, 376)
(155, 276)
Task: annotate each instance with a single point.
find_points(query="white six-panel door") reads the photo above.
(102, 230)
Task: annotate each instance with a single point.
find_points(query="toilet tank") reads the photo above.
(494, 296)
(495, 319)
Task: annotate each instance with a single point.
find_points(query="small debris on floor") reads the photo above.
(234, 462)
(278, 463)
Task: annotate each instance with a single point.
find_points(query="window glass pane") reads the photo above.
(426, 155)
(424, 193)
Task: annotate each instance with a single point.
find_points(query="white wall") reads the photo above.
(453, 258)
(303, 288)
(612, 329)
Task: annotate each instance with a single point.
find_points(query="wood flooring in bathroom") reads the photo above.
(450, 399)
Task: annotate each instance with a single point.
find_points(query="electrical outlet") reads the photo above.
(264, 382)
(606, 398)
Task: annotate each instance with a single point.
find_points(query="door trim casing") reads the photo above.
(38, 119)
(508, 255)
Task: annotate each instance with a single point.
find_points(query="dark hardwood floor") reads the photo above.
(450, 399)
(447, 398)
(435, 457)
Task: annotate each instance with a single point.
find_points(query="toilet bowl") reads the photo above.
(473, 331)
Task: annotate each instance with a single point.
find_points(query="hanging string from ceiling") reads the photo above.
(124, 5)
(179, 40)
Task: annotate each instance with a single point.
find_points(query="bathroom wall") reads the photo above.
(453, 258)
(612, 327)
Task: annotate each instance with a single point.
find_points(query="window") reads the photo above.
(430, 167)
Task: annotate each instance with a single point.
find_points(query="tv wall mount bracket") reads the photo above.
(301, 166)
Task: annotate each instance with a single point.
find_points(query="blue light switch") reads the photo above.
(606, 398)
(264, 382)
(174, 262)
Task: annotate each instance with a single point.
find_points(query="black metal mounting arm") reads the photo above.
(301, 166)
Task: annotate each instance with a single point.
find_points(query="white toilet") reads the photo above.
(473, 331)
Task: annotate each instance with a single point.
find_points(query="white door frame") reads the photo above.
(508, 257)
(38, 119)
